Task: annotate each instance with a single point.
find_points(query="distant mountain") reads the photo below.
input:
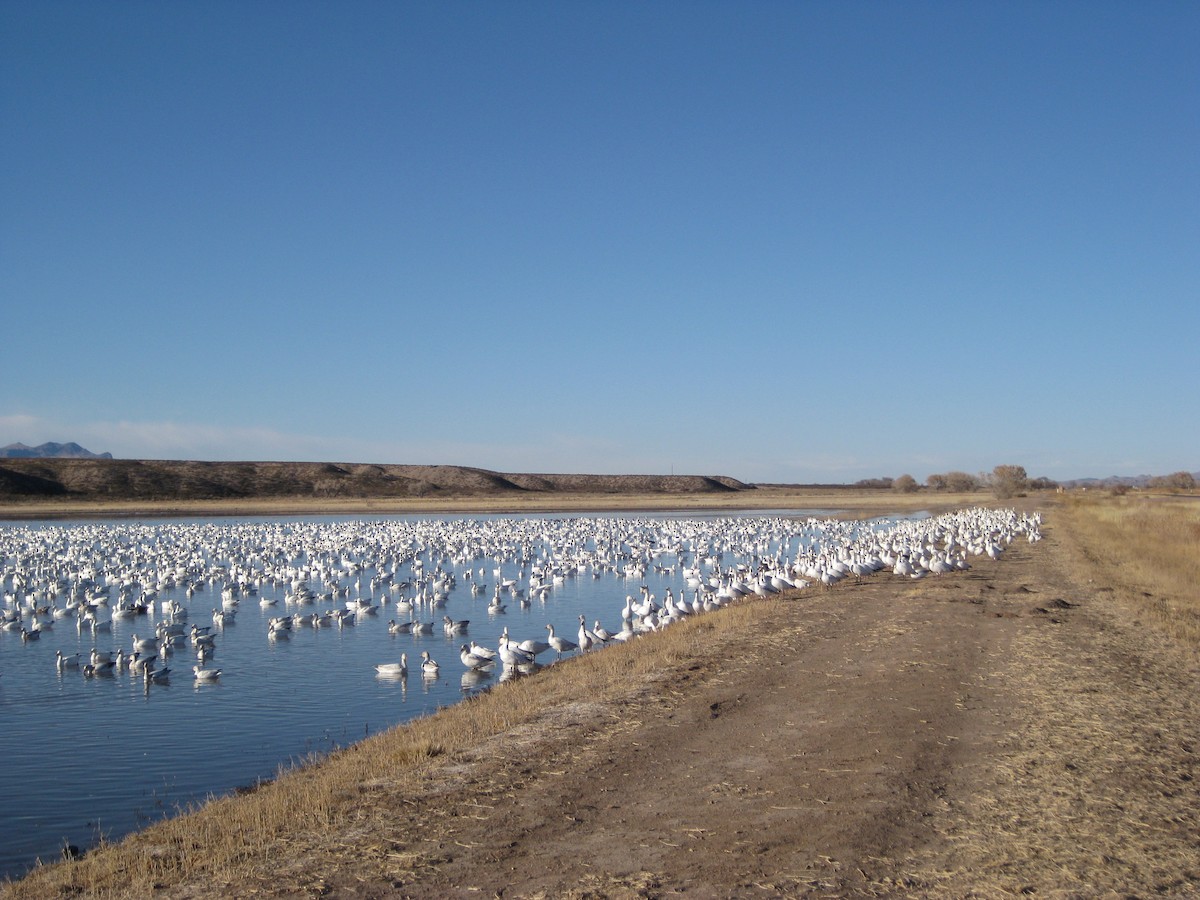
(50, 450)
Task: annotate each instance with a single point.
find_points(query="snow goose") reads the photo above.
(533, 646)
(472, 660)
(203, 674)
(513, 656)
(100, 656)
(560, 644)
(587, 639)
(480, 650)
(394, 669)
(429, 665)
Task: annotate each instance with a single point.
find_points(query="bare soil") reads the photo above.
(1003, 731)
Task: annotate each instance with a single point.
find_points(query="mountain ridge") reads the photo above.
(97, 478)
(50, 450)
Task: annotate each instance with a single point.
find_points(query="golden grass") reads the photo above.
(299, 811)
(1146, 549)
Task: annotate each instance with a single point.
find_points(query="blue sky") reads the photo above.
(779, 241)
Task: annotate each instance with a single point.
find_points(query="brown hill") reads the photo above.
(131, 480)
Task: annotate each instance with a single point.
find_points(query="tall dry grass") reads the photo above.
(317, 808)
(1147, 549)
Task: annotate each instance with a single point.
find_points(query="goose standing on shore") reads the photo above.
(560, 644)
(472, 660)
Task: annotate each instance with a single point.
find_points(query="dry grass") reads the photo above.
(1146, 550)
(320, 807)
(1089, 790)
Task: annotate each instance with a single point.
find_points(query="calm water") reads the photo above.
(91, 757)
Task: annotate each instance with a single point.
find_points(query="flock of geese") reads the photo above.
(336, 574)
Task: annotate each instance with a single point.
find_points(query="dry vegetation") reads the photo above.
(1030, 729)
(1146, 549)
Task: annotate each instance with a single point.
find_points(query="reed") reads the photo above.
(1146, 549)
(321, 804)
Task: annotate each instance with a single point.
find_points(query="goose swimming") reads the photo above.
(91, 670)
(203, 674)
(428, 664)
(394, 669)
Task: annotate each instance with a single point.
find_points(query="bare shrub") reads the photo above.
(961, 482)
(1009, 481)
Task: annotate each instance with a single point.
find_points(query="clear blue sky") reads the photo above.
(782, 241)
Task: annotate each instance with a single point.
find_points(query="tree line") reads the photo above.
(1007, 481)
(1004, 481)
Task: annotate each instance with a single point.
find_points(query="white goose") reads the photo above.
(99, 657)
(587, 639)
(472, 660)
(480, 650)
(394, 669)
(560, 644)
(513, 656)
(429, 665)
(203, 674)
